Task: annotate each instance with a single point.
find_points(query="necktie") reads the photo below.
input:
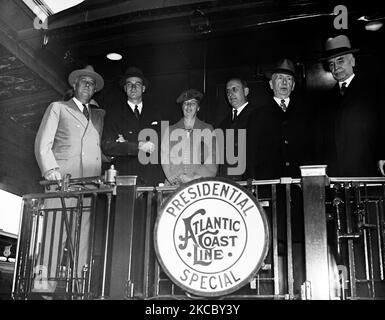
(85, 112)
(283, 105)
(235, 114)
(343, 88)
(136, 111)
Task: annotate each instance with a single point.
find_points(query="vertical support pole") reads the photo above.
(122, 243)
(316, 250)
(106, 246)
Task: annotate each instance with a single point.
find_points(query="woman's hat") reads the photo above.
(337, 46)
(89, 72)
(188, 95)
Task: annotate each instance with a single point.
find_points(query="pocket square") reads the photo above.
(154, 123)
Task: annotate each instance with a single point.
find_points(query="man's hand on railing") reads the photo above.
(381, 166)
(52, 174)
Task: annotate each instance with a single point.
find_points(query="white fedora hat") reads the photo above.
(87, 71)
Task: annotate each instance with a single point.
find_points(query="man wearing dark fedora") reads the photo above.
(351, 121)
(68, 142)
(280, 128)
(281, 142)
(127, 116)
(123, 123)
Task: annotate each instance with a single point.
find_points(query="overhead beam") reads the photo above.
(87, 12)
(30, 57)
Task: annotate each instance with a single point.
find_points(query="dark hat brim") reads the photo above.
(269, 73)
(83, 72)
(122, 81)
(189, 95)
(337, 52)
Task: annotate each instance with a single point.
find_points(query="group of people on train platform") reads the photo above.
(74, 136)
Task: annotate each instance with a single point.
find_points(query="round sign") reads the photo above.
(211, 236)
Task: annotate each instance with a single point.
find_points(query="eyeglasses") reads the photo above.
(130, 85)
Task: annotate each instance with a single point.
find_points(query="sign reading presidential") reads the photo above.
(211, 236)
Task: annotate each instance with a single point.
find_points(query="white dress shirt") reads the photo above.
(132, 106)
(278, 100)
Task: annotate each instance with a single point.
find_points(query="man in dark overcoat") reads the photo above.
(123, 140)
(123, 124)
(281, 132)
(351, 138)
(351, 124)
(280, 135)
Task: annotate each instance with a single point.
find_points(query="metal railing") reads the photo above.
(55, 255)
(355, 208)
(327, 241)
(275, 280)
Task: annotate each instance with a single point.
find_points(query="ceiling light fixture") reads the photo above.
(373, 26)
(373, 22)
(114, 56)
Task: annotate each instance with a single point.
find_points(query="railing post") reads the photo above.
(122, 243)
(314, 180)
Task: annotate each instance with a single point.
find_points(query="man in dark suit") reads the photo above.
(281, 130)
(123, 140)
(123, 124)
(352, 141)
(350, 126)
(237, 91)
(280, 135)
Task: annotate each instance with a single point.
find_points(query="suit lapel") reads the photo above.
(353, 87)
(75, 112)
(146, 116)
(349, 93)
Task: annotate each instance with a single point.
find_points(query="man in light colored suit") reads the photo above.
(68, 142)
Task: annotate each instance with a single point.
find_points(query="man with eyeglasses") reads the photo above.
(68, 142)
(350, 128)
(125, 120)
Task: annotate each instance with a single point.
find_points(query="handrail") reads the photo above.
(57, 194)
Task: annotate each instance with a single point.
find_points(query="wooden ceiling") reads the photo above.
(23, 94)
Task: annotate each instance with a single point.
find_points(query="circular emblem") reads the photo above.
(211, 236)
